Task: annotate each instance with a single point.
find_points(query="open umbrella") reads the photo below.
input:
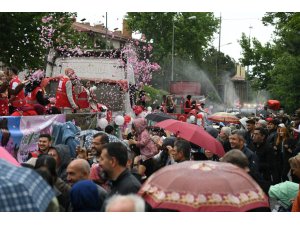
(194, 134)
(87, 136)
(4, 154)
(22, 189)
(158, 117)
(224, 117)
(203, 186)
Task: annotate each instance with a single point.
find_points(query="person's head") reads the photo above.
(225, 133)
(113, 159)
(261, 123)
(54, 154)
(295, 165)
(84, 197)
(283, 132)
(125, 203)
(88, 84)
(109, 129)
(250, 125)
(237, 139)
(13, 71)
(164, 97)
(208, 154)
(189, 97)
(272, 124)
(236, 157)
(139, 125)
(99, 140)
(3, 77)
(47, 162)
(259, 135)
(182, 150)
(78, 169)
(69, 72)
(45, 174)
(44, 143)
(61, 154)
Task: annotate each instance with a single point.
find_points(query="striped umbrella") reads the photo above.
(224, 117)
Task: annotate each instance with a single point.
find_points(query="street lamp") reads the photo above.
(173, 45)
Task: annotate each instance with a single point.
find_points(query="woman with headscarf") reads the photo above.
(61, 154)
(145, 144)
(84, 197)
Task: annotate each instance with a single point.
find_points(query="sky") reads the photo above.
(232, 26)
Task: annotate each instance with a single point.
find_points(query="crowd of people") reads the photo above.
(106, 176)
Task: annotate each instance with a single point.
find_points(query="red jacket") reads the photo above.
(31, 97)
(61, 94)
(83, 99)
(187, 109)
(19, 99)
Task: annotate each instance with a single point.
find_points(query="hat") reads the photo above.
(281, 125)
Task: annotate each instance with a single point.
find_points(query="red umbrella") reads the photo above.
(194, 134)
(4, 154)
(224, 117)
(203, 186)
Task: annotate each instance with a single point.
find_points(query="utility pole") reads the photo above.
(105, 30)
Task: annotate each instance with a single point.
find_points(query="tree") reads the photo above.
(192, 36)
(26, 38)
(276, 65)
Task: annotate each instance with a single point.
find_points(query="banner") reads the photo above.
(19, 135)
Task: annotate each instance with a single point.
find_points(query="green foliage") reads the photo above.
(276, 65)
(155, 95)
(192, 36)
(26, 38)
(285, 81)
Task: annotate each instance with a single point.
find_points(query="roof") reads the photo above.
(100, 29)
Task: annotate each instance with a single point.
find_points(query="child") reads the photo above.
(145, 144)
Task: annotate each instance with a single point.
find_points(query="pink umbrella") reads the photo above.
(8, 157)
(194, 134)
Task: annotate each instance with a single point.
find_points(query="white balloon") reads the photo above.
(102, 123)
(119, 120)
(192, 118)
(149, 109)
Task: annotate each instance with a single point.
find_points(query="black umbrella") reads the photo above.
(158, 117)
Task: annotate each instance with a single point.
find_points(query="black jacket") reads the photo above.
(265, 156)
(252, 158)
(125, 184)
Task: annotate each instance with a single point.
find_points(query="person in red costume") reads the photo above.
(16, 95)
(36, 94)
(82, 99)
(65, 95)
